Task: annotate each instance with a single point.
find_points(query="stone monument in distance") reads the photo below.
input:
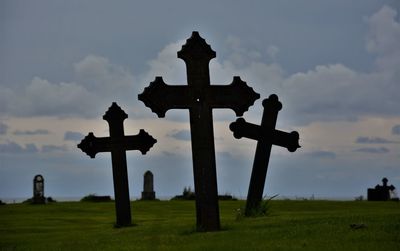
(38, 190)
(148, 186)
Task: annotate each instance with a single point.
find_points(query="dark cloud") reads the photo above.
(322, 155)
(14, 148)
(73, 136)
(377, 150)
(53, 148)
(35, 132)
(180, 135)
(373, 140)
(3, 128)
(396, 130)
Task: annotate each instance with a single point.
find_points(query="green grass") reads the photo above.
(170, 225)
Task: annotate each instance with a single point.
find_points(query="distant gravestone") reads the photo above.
(381, 193)
(200, 97)
(38, 190)
(266, 136)
(117, 144)
(148, 186)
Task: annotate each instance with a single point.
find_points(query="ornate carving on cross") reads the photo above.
(266, 136)
(200, 98)
(117, 144)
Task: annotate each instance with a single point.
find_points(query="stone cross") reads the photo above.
(38, 190)
(117, 144)
(148, 187)
(200, 98)
(266, 136)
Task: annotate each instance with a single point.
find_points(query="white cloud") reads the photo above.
(167, 65)
(384, 31)
(52, 99)
(384, 40)
(103, 78)
(332, 92)
(98, 83)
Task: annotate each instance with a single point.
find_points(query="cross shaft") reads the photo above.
(200, 98)
(117, 144)
(266, 136)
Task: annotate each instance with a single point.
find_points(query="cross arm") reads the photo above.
(91, 145)
(237, 96)
(142, 142)
(160, 97)
(241, 128)
(287, 140)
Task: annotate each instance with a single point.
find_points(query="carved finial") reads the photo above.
(196, 48)
(115, 113)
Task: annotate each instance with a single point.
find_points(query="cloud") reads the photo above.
(272, 51)
(378, 150)
(331, 92)
(396, 130)
(373, 140)
(97, 84)
(73, 136)
(105, 79)
(35, 132)
(53, 148)
(14, 148)
(43, 98)
(322, 155)
(3, 128)
(383, 38)
(180, 135)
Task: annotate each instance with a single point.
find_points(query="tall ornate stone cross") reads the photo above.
(266, 136)
(117, 144)
(200, 98)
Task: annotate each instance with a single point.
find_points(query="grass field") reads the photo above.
(170, 225)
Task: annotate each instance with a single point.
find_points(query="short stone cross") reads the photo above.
(266, 136)
(38, 190)
(200, 98)
(117, 144)
(148, 186)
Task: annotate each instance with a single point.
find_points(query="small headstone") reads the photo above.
(380, 193)
(38, 190)
(148, 186)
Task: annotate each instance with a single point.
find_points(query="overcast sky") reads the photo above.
(335, 66)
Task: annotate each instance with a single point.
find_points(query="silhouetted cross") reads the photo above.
(266, 136)
(200, 98)
(117, 144)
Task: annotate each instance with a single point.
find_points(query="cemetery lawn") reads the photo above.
(170, 225)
